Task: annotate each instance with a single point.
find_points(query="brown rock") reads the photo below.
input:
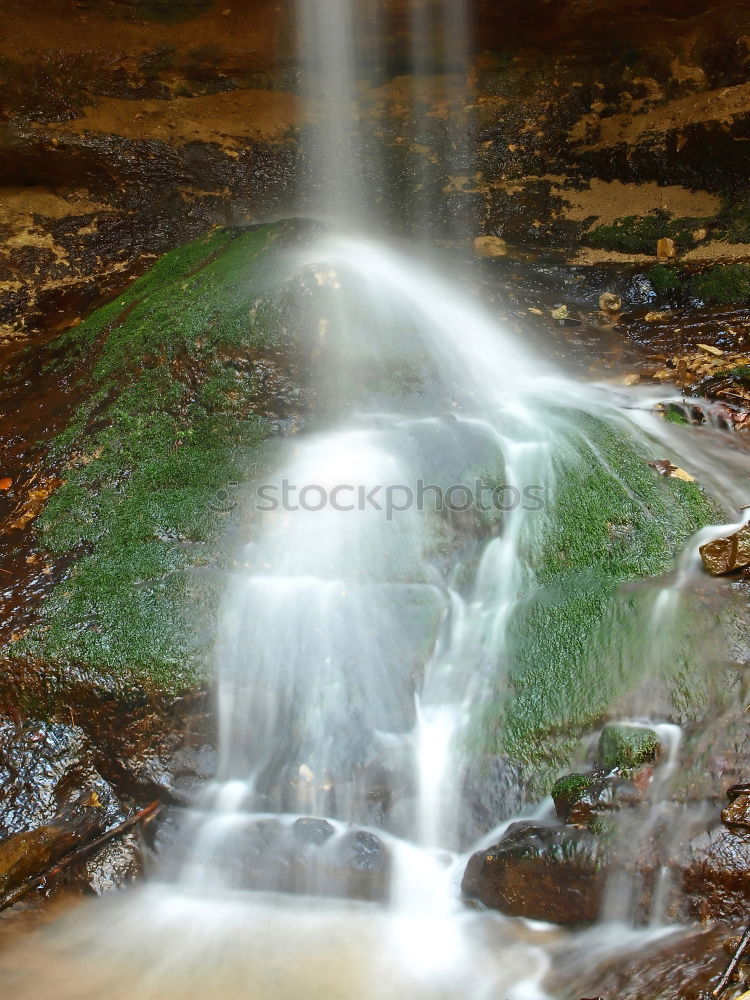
(726, 555)
(28, 854)
(542, 873)
(716, 875)
(666, 248)
(737, 812)
(610, 303)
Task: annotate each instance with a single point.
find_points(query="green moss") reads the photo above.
(736, 228)
(167, 424)
(576, 641)
(674, 415)
(571, 788)
(665, 279)
(626, 747)
(641, 233)
(725, 284)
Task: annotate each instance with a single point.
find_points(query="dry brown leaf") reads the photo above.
(709, 349)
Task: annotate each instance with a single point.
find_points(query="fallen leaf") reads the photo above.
(662, 465)
(711, 350)
(5, 484)
(677, 473)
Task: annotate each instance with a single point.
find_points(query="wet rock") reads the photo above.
(117, 865)
(579, 798)
(610, 303)
(726, 555)
(626, 748)
(716, 875)
(45, 767)
(313, 831)
(308, 857)
(32, 852)
(555, 874)
(737, 813)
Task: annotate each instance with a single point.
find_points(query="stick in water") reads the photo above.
(70, 859)
(735, 961)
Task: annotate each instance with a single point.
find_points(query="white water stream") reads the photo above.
(357, 644)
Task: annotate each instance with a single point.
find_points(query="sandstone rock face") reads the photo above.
(130, 127)
(540, 872)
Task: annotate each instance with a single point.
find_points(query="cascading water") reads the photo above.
(367, 630)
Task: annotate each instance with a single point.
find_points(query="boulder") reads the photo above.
(726, 555)
(737, 813)
(579, 798)
(555, 874)
(716, 875)
(626, 748)
(307, 857)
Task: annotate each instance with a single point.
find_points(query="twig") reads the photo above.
(70, 859)
(734, 962)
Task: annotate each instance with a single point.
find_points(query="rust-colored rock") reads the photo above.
(737, 813)
(716, 875)
(542, 873)
(726, 555)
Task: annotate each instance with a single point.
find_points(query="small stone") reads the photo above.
(610, 303)
(700, 234)
(490, 246)
(560, 313)
(737, 813)
(631, 379)
(666, 249)
(726, 555)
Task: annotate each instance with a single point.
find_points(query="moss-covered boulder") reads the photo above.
(626, 748)
(579, 639)
(180, 382)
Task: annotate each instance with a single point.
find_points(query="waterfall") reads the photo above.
(372, 617)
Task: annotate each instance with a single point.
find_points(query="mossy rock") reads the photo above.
(172, 411)
(723, 285)
(570, 789)
(626, 748)
(641, 233)
(578, 639)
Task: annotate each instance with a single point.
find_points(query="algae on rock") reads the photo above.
(172, 414)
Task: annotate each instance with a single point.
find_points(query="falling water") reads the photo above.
(358, 639)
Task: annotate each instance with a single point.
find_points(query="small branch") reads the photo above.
(79, 854)
(735, 961)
